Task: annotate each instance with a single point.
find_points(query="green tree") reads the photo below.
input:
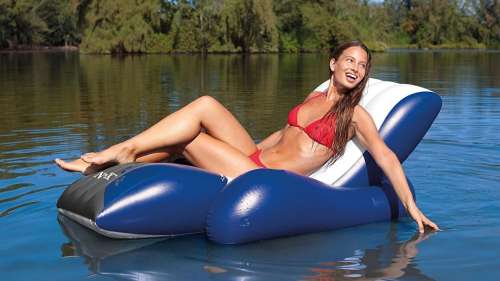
(290, 24)
(120, 26)
(21, 24)
(61, 22)
(250, 25)
(185, 33)
(328, 22)
(440, 23)
(487, 14)
(138, 26)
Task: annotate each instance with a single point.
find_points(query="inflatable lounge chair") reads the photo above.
(149, 200)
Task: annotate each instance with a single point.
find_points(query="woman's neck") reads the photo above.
(333, 93)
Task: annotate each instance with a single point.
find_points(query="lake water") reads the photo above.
(64, 104)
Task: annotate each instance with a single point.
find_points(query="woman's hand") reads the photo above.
(420, 218)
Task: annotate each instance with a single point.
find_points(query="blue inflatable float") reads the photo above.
(149, 200)
(142, 200)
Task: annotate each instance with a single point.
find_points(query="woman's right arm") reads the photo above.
(271, 140)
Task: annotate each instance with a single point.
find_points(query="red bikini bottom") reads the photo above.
(255, 157)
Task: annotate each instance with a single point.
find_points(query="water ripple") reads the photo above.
(8, 211)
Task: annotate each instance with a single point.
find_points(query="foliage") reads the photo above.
(37, 22)
(140, 26)
(120, 26)
(250, 24)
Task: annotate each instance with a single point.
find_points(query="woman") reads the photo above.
(210, 137)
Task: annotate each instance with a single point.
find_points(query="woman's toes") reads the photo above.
(59, 162)
(73, 166)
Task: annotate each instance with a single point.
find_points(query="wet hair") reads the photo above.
(343, 109)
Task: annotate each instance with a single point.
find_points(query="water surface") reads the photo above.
(63, 104)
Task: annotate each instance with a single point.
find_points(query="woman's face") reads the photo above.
(350, 68)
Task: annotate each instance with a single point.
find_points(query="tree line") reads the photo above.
(162, 26)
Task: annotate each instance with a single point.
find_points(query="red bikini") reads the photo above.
(255, 157)
(321, 131)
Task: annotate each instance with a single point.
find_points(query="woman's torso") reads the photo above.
(296, 150)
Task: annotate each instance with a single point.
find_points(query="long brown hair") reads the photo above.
(343, 109)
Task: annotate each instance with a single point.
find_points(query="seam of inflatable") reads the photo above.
(111, 234)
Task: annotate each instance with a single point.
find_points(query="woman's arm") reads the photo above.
(368, 135)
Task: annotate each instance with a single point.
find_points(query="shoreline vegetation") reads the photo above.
(245, 26)
(70, 48)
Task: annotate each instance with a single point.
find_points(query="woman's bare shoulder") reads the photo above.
(313, 94)
(360, 114)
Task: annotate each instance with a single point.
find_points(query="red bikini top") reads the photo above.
(321, 130)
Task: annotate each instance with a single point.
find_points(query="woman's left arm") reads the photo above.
(367, 134)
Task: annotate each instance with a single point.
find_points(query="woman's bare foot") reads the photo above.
(117, 154)
(79, 165)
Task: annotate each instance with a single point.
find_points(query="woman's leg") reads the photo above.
(204, 151)
(78, 165)
(217, 156)
(182, 126)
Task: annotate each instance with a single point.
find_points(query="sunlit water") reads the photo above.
(63, 104)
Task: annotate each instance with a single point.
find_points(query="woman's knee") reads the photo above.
(208, 101)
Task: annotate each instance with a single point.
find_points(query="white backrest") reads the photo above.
(379, 97)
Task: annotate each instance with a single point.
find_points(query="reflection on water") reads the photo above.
(309, 257)
(59, 105)
(386, 261)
